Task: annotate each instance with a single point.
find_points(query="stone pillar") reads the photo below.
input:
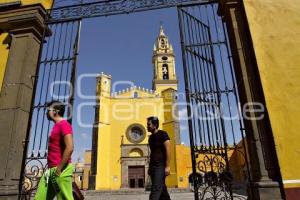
(26, 26)
(265, 174)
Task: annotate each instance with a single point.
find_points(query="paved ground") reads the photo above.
(136, 196)
(141, 194)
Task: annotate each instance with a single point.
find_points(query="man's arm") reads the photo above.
(168, 156)
(68, 140)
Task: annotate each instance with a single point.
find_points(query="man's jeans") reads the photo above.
(158, 188)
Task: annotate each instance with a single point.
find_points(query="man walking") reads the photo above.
(159, 166)
(57, 179)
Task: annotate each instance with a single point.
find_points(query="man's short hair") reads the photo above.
(154, 120)
(58, 106)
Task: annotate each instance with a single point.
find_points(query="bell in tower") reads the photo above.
(165, 72)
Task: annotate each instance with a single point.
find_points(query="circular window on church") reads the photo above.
(136, 133)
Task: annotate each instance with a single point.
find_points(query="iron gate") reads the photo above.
(55, 80)
(210, 91)
(218, 146)
(57, 68)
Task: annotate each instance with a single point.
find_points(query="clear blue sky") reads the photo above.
(122, 47)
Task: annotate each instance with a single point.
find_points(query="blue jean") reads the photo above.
(158, 188)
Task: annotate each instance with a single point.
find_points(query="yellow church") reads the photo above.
(120, 152)
(120, 149)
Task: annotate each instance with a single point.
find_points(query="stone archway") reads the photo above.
(134, 165)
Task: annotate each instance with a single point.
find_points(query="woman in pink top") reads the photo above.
(57, 180)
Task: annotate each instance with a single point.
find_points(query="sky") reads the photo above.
(121, 46)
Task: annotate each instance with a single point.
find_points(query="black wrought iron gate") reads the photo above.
(215, 126)
(218, 148)
(56, 77)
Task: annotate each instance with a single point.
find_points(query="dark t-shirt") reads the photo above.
(158, 150)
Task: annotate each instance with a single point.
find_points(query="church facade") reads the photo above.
(120, 144)
(120, 152)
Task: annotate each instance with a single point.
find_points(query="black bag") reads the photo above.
(77, 195)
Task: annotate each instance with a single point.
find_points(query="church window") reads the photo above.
(135, 133)
(135, 95)
(164, 58)
(165, 71)
(176, 97)
(162, 43)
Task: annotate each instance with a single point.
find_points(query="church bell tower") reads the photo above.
(163, 60)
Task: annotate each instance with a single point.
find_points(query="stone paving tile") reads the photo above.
(145, 196)
(142, 195)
